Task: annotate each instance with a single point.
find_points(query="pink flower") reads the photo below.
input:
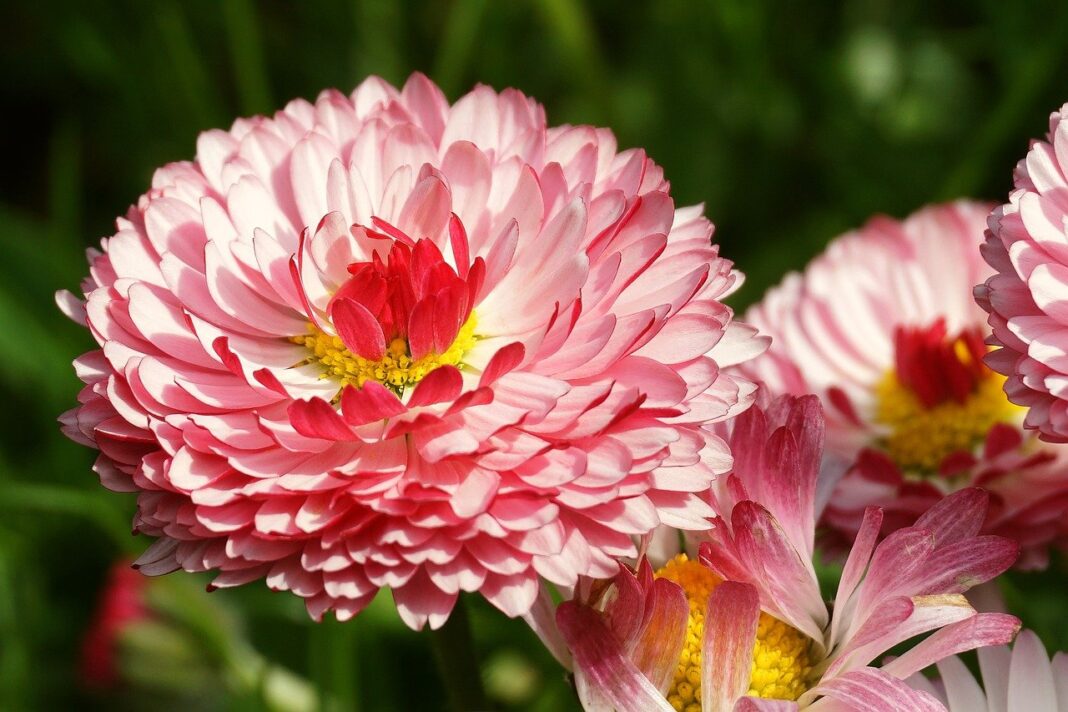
(883, 328)
(1025, 297)
(382, 341)
(121, 605)
(1021, 680)
(746, 628)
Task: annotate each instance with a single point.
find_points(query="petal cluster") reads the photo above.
(1026, 247)
(882, 328)
(379, 340)
(909, 585)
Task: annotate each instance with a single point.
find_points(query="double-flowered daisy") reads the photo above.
(379, 340)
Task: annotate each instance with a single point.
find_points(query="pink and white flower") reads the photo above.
(1025, 297)
(756, 633)
(1022, 679)
(883, 328)
(381, 341)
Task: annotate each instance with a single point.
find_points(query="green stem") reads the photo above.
(454, 653)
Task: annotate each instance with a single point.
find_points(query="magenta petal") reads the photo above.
(978, 631)
(604, 676)
(957, 517)
(875, 691)
(727, 649)
(316, 418)
(369, 403)
(360, 331)
(658, 646)
(624, 616)
(505, 360)
(792, 590)
(441, 384)
(959, 566)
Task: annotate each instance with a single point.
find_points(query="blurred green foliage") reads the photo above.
(792, 121)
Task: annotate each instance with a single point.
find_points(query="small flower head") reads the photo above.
(883, 329)
(748, 622)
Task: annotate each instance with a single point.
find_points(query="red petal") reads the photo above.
(360, 331)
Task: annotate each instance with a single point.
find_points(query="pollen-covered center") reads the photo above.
(940, 398)
(396, 370)
(781, 664)
(397, 318)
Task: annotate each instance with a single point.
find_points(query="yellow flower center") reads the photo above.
(396, 370)
(781, 664)
(921, 437)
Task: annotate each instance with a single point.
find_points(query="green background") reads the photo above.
(791, 121)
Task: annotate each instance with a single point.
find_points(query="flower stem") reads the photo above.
(454, 654)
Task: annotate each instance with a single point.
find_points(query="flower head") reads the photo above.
(747, 623)
(1025, 296)
(1023, 678)
(883, 328)
(382, 341)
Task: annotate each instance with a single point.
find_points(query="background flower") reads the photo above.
(883, 328)
(1023, 678)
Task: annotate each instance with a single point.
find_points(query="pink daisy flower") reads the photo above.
(746, 628)
(882, 327)
(381, 341)
(1022, 679)
(1025, 298)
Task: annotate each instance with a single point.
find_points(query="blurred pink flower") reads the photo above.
(382, 341)
(1022, 679)
(1026, 246)
(757, 634)
(121, 604)
(883, 328)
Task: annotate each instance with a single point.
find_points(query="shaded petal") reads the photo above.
(727, 649)
(605, 678)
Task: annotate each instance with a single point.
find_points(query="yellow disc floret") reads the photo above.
(396, 370)
(781, 664)
(921, 437)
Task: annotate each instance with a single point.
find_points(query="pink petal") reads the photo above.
(604, 676)
(1031, 683)
(962, 690)
(369, 403)
(442, 384)
(727, 649)
(317, 419)
(658, 646)
(360, 331)
(875, 691)
(980, 630)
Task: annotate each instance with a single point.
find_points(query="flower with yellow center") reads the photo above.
(920, 438)
(939, 399)
(782, 667)
(396, 369)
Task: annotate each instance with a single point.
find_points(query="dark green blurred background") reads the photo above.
(792, 121)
